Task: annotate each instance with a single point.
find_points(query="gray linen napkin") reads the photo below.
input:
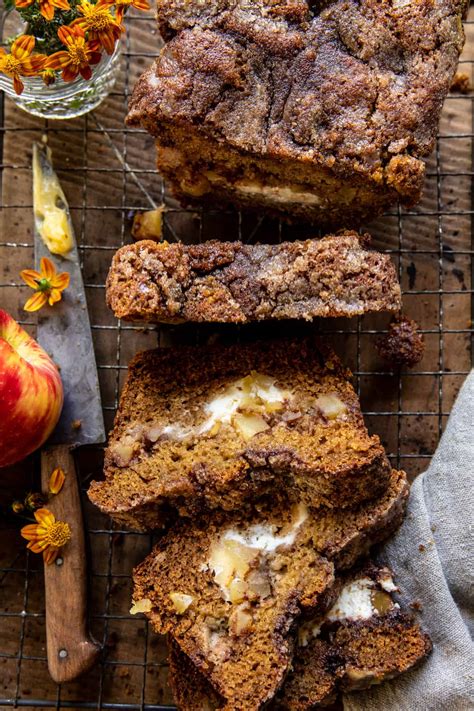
(432, 556)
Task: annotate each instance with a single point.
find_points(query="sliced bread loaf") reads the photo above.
(216, 427)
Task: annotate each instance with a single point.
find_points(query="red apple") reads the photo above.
(31, 392)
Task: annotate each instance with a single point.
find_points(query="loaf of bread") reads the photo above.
(230, 282)
(315, 110)
(363, 639)
(229, 587)
(217, 427)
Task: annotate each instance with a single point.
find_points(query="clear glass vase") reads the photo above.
(64, 100)
(60, 100)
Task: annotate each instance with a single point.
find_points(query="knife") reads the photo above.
(64, 332)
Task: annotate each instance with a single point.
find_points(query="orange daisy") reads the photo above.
(21, 62)
(78, 56)
(47, 283)
(47, 536)
(46, 7)
(99, 23)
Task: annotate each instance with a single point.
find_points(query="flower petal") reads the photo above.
(54, 297)
(30, 532)
(61, 281)
(32, 65)
(58, 60)
(31, 277)
(23, 46)
(35, 547)
(69, 73)
(36, 302)
(45, 517)
(47, 10)
(61, 4)
(67, 35)
(85, 72)
(94, 58)
(47, 268)
(50, 555)
(18, 84)
(56, 481)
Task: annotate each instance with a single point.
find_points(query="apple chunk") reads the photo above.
(31, 392)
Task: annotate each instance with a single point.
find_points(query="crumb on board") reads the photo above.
(461, 83)
(403, 345)
(148, 225)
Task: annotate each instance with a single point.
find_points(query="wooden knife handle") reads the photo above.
(70, 649)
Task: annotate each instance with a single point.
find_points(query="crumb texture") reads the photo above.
(317, 110)
(237, 283)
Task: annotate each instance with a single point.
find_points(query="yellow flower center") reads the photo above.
(11, 65)
(98, 20)
(58, 534)
(78, 55)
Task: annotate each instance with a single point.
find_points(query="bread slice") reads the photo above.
(228, 587)
(216, 427)
(362, 640)
(231, 282)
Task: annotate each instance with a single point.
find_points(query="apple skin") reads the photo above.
(31, 392)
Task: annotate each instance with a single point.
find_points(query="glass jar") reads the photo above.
(63, 100)
(60, 100)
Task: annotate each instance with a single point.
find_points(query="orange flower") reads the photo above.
(47, 283)
(99, 23)
(78, 55)
(21, 62)
(46, 7)
(56, 481)
(121, 6)
(47, 536)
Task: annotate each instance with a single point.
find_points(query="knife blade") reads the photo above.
(64, 332)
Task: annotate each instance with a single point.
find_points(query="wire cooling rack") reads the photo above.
(108, 173)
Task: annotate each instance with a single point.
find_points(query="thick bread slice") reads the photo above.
(217, 427)
(229, 596)
(228, 587)
(362, 640)
(231, 282)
